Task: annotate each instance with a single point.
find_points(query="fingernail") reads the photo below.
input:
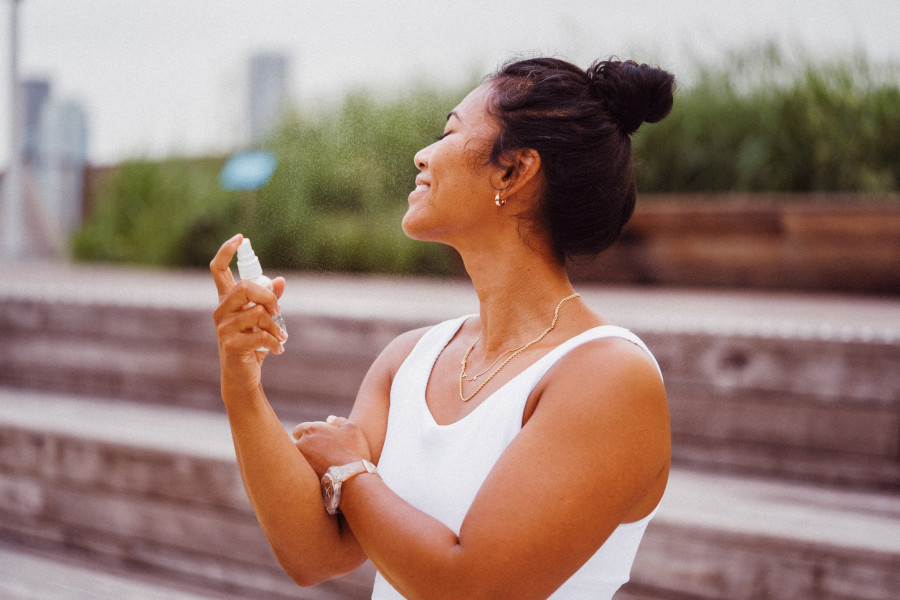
(282, 334)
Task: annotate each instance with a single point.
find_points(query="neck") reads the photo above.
(517, 296)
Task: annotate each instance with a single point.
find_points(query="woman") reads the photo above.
(521, 451)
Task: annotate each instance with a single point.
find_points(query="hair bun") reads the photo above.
(632, 93)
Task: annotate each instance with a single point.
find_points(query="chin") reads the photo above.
(418, 230)
(411, 228)
(412, 232)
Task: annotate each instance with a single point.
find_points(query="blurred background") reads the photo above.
(128, 112)
(762, 265)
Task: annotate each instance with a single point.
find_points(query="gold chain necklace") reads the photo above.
(516, 352)
(491, 366)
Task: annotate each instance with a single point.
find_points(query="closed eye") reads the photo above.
(442, 136)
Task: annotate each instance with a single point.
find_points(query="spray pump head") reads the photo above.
(247, 262)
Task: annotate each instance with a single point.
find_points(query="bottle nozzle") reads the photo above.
(247, 262)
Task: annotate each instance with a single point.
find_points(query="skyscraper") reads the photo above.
(267, 94)
(34, 94)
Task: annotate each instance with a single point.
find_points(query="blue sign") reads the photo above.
(248, 170)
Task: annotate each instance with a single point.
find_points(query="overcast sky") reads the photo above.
(167, 76)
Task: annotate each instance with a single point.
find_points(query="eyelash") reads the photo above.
(442, 136)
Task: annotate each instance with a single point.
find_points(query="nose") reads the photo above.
(421, 159)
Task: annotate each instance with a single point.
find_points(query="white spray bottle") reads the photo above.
(249, 269)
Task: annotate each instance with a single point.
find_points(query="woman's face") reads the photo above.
(453, 189)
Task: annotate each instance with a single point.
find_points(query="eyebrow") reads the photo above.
(453, 113)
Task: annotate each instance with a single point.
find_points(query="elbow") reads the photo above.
(472, 593)
(304, 575)
(468, 584)
(300, 572)
(305, 580)
(308, 571)
(304, 571)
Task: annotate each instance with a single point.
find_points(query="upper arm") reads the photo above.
(370, 410)
(591, 455)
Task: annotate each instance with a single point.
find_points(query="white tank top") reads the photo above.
(439, 468)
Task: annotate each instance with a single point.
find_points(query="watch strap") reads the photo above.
(334, 478)
(345, 472)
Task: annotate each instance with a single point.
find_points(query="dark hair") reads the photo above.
(580, 122)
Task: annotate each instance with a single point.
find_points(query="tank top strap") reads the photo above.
(411, 379)
(545, 363)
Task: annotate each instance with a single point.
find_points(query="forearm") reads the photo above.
(284, 492)
(420, 556)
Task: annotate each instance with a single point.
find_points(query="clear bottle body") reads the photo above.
(249, 269)
(267, 283)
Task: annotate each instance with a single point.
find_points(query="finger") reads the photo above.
(219, 266)
(272, 343)
(267, 324)
(237, 339)
(300, 429)
(264, 320)
(259, 294)
(263, 343)
(279, 284)
(244, 294)
(264, 329)
(246, 329)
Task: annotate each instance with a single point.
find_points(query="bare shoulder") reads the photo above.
(615, 384)
(607, 399)
(601, 374)
(398, 349)
(385, 366)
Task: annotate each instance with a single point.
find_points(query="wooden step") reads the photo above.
(786, 386)
(727, 537)
(28, 573)
(124, 483)
(131, 484)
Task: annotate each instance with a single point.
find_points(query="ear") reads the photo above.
(521, 173)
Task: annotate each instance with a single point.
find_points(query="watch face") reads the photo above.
(329, 494)
(327, 489)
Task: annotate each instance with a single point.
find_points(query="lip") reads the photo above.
(421, 185)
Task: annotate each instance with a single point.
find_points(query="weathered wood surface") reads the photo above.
(114, 451)
(827, 242)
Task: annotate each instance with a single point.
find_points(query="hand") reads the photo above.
(333, 442)
(243, 318)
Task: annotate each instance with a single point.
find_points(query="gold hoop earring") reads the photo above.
(498, 200)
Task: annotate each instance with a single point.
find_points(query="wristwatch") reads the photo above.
(335, 477)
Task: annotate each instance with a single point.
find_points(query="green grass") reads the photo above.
(755, 123)
(762, 123)
(166, 213)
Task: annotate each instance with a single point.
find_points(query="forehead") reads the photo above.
(473, 108)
